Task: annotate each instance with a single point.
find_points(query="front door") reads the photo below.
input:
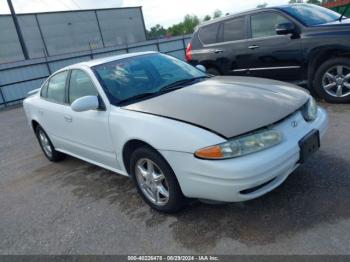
(270, 55)
(87, 133)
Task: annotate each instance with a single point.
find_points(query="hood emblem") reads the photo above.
(294, 124)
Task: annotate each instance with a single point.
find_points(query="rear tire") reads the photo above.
(332, 80)
(156, 181)
(47, 146)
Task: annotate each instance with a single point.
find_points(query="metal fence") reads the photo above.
(57, 33)
(18, 78)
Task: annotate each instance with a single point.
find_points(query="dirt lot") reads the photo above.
(76, 208)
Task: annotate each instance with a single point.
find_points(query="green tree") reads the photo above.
(156, 31)
(187, 26)
(207, 18)
(262, 5)
(315, 2)
(295, 1)
(217, 13)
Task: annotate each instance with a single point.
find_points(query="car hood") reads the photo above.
(227, 106)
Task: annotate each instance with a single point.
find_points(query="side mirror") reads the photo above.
(285, 29)
(201, 68)
(85, 103)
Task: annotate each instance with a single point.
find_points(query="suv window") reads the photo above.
(264, 24)
(56, 87)
(234, 29)
(207, 34)
(80, 85)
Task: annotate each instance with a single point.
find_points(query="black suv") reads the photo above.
(299, 43)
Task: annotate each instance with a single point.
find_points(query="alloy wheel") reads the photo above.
(152, 182)
(336, 81)
(45, 143)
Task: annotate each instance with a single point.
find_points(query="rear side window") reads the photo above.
(234, 29)
(208, 34)
(80, 85)
(264, 24)
(56, 87)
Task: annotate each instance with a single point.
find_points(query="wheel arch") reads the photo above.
(129, 147)
(318, 57)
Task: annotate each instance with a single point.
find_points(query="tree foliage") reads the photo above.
(187, 26)
(262, 5)
(217, 13)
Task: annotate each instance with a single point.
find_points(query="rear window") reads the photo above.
(234, 29)
(208, 34)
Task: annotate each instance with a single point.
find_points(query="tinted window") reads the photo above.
(264, 24)
(129, 77)
(80, 85)
(312, 14)
(207, 34)
(56, 88)
(234, 29)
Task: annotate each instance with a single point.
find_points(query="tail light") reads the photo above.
(189, 52)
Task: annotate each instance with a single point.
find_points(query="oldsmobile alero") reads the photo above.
(178, 132)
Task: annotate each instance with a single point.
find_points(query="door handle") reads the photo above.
(68, 118)
(253, 47)
(218, 51)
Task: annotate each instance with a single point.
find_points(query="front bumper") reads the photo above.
(246, 177)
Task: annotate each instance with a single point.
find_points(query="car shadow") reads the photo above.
(316, 193)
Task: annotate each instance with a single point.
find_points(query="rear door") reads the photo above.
(224, 45)
(52, 107)
(271, 55)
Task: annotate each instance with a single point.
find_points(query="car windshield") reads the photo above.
(311, 15)
(129, 79)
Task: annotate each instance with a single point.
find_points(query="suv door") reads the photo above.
(229, 51)
(87, 133)
(271, 55)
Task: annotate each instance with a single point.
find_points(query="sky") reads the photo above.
(164, 12)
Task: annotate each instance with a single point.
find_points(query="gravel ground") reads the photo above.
(73, 207)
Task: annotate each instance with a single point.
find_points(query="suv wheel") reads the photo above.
(332, 80)
(47, 146)
(213, 71)
(156, 181)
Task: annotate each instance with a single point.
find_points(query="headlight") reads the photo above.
(309, 110)
(242, 145)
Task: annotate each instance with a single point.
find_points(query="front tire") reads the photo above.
(156, 181)
(332, 80)
(47, 146)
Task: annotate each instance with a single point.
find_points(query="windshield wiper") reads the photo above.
(343, 14)
(180, 83)
(137, 97)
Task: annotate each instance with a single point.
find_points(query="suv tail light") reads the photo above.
(189, 52)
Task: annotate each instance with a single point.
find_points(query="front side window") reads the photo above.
(56, 87)
(80, 85)
(234, 29)
(131, 77)
(264, 24)
(208, 34)
(311, 15)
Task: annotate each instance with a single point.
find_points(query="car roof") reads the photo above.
(99, 61)
(247, 12)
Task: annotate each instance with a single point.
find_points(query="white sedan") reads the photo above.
(176, 131)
